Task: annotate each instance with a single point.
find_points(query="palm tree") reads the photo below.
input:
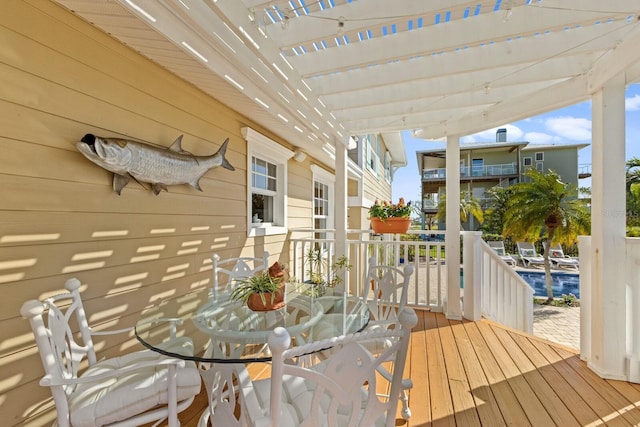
(633, 191)
(469, 206)
(549, 208)
(494, 215)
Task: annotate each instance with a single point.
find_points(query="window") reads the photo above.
(323, 209)
(387, 166)
(264, 180)
(373, 154)
(267, 184)
(527, 161)
(477, 167)
(539, 166)
(540, 156)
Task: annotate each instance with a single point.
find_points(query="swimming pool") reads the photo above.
(562, 283)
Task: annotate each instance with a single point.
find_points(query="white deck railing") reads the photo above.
(505, 297)
(500, 293)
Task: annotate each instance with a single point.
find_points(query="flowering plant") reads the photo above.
(386, 210)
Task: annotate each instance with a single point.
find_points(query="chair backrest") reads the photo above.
(555, 251)
(389, 286)
(345, 387)
(526, 249)
(60, 352)
(498, 246)
(235, 270)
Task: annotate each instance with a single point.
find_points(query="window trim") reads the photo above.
(527, 161)
(541, 159)
(267, 149)
(324, 177)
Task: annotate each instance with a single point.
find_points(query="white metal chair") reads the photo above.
(498, 247)
(341, 391)
(387, 296)
(528, 255)
(130, 390)
(235, 269)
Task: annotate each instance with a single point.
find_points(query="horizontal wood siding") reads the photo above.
(59, 216)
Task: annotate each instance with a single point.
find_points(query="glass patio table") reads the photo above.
(227, 331)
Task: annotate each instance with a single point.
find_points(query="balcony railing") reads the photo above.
(472, 171)
(501, 294)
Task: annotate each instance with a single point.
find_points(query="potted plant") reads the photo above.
(320, 278)
(263, 291)
(387, 217)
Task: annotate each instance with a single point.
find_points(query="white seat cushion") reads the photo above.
(121, 398)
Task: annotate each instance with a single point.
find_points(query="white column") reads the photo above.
(452, 234)
(472, 259)
(607, 355)
(341, 199)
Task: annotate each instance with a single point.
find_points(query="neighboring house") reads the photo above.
(60, 217)
(378, 156)
(494, 164)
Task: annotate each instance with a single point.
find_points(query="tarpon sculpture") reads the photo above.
(157, 166)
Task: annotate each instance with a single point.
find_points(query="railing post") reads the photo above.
(633, 307)
(584, 249)
(472, 270)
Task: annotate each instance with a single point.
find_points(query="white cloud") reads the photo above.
(540, 138)
(632, 104)
(514, 133)
(573, 128)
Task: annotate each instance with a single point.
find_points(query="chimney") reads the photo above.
(501, 135)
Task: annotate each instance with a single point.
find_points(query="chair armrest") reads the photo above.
(48, 380)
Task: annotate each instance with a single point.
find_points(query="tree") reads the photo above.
(469, 206)
(633, 192)
(546, 208)
(494, 216)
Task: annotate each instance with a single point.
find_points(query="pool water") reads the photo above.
(562, 283)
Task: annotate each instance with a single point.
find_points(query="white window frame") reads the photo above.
(540, 166)
(373, 146)
(322, 176)
(387, 167)
(539, 156)
(527, 161)
(264, 148)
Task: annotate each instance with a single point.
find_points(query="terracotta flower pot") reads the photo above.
(390, 225)
(255, 301)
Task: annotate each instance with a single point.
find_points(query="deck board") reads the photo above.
(480, 373)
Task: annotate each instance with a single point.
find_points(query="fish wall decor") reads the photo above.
(148, 163)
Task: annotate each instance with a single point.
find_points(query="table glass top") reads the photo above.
(227, 331)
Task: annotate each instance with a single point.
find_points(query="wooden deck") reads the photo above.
(480, 373)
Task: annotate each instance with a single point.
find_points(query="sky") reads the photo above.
(567, 125)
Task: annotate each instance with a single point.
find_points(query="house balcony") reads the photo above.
(473, 173)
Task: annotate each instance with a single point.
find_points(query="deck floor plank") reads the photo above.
(419, 396)
(605, 411)
(442, 413)
(529, 401)
(480, 388)
(506, 401)
(479, 373)
(578, 411)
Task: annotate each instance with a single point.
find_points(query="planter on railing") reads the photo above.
(390, 225)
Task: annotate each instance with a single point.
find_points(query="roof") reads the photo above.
(315, 72)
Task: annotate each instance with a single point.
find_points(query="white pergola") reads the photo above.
(317, 71)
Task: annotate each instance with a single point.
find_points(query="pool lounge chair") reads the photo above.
(498, 246)
(559, 259)
(528, 255)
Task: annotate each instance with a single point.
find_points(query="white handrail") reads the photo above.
(506, 297)
(493, 288)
